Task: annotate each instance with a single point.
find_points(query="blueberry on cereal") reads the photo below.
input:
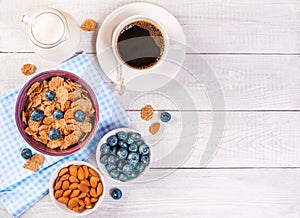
(37, 115)
(58, 114)
(50, 95)
(54, 134)
(79, 116)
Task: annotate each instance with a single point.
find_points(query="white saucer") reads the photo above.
(150, 79)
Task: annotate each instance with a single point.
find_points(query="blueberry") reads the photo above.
(112, 140)
(103, 159)
(165, 117)
(133, 148)
(132, 175)
(123, 144)
(121, 164)
(58, 114)
(50, 95)
(116, 194)
(79, 116)
(110, 167)
(105, 148)
(54, 134)
(145, 160)
(133, 158)
(113, 150)
(135, 136)
(144, 149)
(114, 173)
(123, 177)
(127, 169)
(122, 135)
(112, 159)
(129, 141)
(122, 153)
(26, 153)
(37, 115)
(140, 167)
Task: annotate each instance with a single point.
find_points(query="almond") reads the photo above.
(58, 193)
(87, 202)
(73, 186)
(82, 195)
(75, 193)
(65, 177)
(86, 171)
(65, 185)
(73, 202)
(73, 179)
(67, 193)
(93, 192)
(63, 200)
(58, 185)
(75, 209)
(63, 171)
(81, 202)
(94, 181)
(80, 174)
(99, 189)
(94, 200)
(83, 188)
(86, 182)
(93, 172)
(73, 170)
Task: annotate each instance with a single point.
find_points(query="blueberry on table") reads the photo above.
(54, 134)
(26, 153)
(112, 140)
(144, 149)
(122, 135)
(37, 115)
(58, 114)
(135, 137)
(79, 116)
(105, 148)
(133, 148)
(116, 194)
(50, 95)
(165, 117)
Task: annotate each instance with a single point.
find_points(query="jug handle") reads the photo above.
(25, 19)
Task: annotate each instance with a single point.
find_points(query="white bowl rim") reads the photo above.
(67, 210)
(101, 166)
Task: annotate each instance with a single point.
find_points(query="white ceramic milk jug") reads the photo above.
(54, 34)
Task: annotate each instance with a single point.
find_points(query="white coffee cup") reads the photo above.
(124, 24)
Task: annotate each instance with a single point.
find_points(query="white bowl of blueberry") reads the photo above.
(123, 155)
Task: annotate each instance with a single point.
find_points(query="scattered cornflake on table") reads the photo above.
(154, 128)
(88, 25)
(147, 112)
(28, 69)
(34, 162)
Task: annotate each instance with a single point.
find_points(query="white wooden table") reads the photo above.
(253, 46)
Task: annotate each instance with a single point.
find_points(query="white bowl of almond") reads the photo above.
(77, 188)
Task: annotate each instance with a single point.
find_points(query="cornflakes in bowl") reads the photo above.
(57, 113)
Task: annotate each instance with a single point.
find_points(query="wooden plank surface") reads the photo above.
(255, 82)
(194, 193)
(256, 26)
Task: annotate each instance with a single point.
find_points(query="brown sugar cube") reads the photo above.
(28, 69)
(88, 25)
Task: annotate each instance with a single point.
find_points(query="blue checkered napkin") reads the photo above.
(20, 188)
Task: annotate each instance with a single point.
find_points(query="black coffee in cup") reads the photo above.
(140, 44)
